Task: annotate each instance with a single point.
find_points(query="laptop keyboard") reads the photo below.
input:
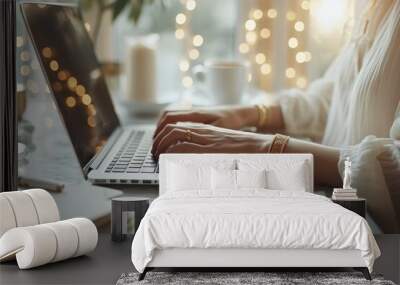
(134, 156)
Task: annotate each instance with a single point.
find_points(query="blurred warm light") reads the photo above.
(290, 72)
(194, 54)
(257, 14)
(80, 90)
(91, 110)
(46, 52)
(62, 75)
(250, 25)
(19, 41)
(260, 58)
(86, 99)
(25, 70)
(307, 56)
(327, 14)
(299, 26)
(72, 82)
(300, 57)
(272, 13)
(301, 82)
(291, 16)
(184, 65)
(179, 34)
(191, 5)
(54, 65)
(197, 40)
(265, 33)
(70, 102)
(187, 81)
(244, 48)
(91, 121)
(25, 56)
(293, 42)
(305, 5)
(265, 68)
(87, 26)
(180, 18)
(249, 77)
(57, 86)
(251, 37)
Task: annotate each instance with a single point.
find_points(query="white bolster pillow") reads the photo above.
(26, 208)
(40, 244)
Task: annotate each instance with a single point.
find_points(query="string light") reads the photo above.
(307, 56)
(291, 16)
(260, 58)
(179, 34)
(197, 40)
(250, 25)
(301, 82)
(265, 68)
(257, 14)
(86, 99)
(300, 57)
(272, 13)
(70, 102)
(72, 82)
(305, 5)
(184, 65)
(244, 48)
(180, 18)
(290, 72)
(251, 37)
(187, 81)
(299, 26)
(54, 65)
(194, 54)
(265, 33)
(293, 42)
(191, 5)
(46, 52)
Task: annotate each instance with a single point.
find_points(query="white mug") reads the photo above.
(225, 80)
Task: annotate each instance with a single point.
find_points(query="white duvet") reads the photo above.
(250, 219)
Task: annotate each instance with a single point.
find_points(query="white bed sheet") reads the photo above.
(253, 218)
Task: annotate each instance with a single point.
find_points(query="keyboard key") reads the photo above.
(148, 169)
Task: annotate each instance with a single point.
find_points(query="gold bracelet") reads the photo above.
(263, 112)
(278, 144)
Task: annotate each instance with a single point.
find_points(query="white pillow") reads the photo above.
(251, 178)
(281, 175)
(294, 179)
(188, 177)
(225, 179)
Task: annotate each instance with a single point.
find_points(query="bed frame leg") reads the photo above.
(143, 274)
(364, 271)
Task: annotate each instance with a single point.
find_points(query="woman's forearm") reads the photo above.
(326, 158)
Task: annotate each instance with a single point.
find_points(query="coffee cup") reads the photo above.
(224, 80)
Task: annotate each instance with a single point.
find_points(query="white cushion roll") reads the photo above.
(45, 205)
(7, 218)
(34, 245)
(23, 207)
(87, 234)
(67, 240)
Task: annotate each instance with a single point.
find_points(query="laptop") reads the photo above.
(107, 152)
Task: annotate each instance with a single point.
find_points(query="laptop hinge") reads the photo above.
(98, 158)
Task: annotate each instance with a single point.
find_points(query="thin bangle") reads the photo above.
(263, 112)
(278, 144)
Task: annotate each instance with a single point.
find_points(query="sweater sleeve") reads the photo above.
(376, 176)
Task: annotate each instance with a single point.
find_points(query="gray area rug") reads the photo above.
(229, 278)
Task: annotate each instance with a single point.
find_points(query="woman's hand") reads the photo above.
(232, 117)
(200, 138)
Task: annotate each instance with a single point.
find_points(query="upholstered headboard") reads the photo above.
(266, 160)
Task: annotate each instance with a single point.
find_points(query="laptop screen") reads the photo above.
(73, 73)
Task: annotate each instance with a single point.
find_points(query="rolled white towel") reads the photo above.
(7, 218)
(46, 207)
(40, 244)
(23, 208)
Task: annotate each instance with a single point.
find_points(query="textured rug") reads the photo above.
(243, 278)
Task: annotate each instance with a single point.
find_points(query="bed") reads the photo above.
(193, 223)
